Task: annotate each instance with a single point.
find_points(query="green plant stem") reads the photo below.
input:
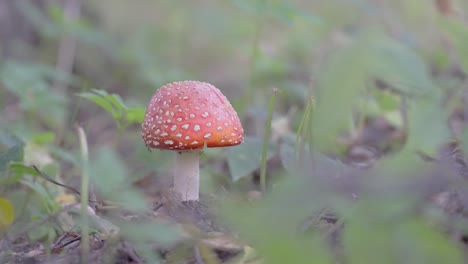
(303, 132)
(118, 134)
(84, 196)
(266, 139)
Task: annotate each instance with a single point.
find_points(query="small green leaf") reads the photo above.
(386, 100)
(245, 158)
(11, 149)
(7, 214)
(135, 115)
(23, 169)
(116, 100)
(97, 99)
(43, 138)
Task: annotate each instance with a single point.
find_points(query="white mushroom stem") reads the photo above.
(187, 176)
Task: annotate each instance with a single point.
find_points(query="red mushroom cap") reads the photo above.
(189, 115)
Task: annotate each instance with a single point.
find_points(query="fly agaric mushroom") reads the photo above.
(186, 117)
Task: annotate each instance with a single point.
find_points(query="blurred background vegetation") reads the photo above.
(364, 159)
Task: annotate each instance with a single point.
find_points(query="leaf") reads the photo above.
(152, 231)
(136, 115)
(11, 149)
(458, 33)
(110, 178)
(99, 100)
(116, 100)
(23, 169)
(341, 80)
(7, 214)
(387, 101)
(422, 112)
(65, 155)
(38, 188)
(115, 106)
(43, 138)
(278, 9)
(428, 245)
(399, 66)
(288, 12)
(245, 158)
(271, 225)
(31, 84)
(319, 163)
(368, 243)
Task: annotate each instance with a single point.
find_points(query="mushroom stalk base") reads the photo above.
(187, 176)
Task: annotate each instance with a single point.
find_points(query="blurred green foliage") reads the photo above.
(336, 64)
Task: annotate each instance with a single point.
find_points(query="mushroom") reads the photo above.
(185, 117)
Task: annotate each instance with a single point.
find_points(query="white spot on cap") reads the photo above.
(185, 97)
(233, 134)
(179, 135)
(174, 127)
(187, 137)
(207, 136)
(208, 124)
(179, 119)
(185, 126)
(205, 114)
(167, 113)
(155, 143)
(194, 143)
(196, 128)
(168, 142)
(192, 116)
(220, 128)
(157, 131)
(164, 134)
